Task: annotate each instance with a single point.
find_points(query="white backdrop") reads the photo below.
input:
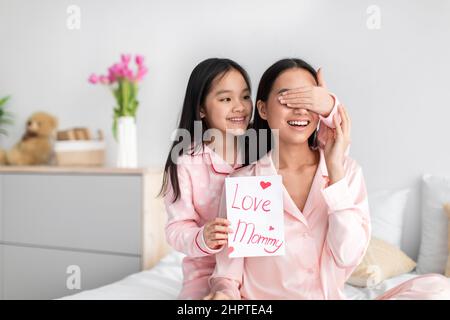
(394, 80)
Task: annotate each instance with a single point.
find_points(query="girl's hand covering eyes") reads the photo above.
(314, 98)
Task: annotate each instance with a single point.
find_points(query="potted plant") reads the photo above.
(5, 116)
(123, 83)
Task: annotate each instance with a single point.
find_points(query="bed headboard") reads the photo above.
(412, 221)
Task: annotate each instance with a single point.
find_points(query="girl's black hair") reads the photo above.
(198, 87)
(264, 88)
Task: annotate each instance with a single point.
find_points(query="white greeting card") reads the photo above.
(255, 211)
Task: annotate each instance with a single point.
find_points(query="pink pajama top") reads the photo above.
(324, 243)
(201, 178)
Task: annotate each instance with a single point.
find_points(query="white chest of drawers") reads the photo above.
(95, 225)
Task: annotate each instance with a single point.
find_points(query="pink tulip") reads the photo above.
(104, 80)
(125, 58)
(139, 60)
(129, 74)
(117, 69)
(142, 71)
(93, 79)
(111, 75)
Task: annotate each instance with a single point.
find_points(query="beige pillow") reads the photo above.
(447, 269)
(381, 261)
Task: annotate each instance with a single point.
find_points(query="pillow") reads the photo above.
(447, 269)
(386, 214)
(381, 261)
(433, 245)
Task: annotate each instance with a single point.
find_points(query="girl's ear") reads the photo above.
(261, 105)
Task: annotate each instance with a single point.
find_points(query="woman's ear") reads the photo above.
(262, 109)
(202, 112)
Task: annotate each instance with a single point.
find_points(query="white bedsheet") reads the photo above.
(163, 282)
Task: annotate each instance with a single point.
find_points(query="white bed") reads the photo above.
(396, 218)
(163, 282)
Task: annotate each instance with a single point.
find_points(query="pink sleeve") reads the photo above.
(328, 121)
(183, 231)
(227, 276)
(348, 218)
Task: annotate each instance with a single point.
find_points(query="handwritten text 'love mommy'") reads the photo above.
(250, 232)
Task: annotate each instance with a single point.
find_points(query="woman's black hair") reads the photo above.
(264, 88)
(198, 87)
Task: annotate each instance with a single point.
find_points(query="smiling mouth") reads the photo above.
(299, 123)
(236, 119)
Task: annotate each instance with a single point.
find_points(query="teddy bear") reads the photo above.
(36, 145)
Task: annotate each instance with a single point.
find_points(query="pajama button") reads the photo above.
(310, 271)
(305, 235)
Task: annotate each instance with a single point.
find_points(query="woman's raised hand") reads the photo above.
(337, 141)
(313, 98)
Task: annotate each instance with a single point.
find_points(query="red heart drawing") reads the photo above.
(265, 185)
(271, 228)
(230, 250)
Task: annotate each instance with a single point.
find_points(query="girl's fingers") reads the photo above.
(300, 105)
(305, 95)
(298, 99)
(219, 236)
(220, 229)
(221, 221)
(303, 89)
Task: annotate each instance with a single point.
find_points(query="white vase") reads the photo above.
(127, 142)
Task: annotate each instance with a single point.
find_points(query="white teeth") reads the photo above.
(302, 123)
(237, 119)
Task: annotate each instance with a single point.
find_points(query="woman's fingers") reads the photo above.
(349, 122)
(343, 119)
(346, 125)
(209, 296)
(337, 125)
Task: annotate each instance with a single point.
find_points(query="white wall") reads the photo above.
(394, 81)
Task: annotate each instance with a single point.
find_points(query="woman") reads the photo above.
(326, 213)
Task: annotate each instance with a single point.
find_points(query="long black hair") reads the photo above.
(265, 87)
(198, 87)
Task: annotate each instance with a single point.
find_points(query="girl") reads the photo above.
(326, 213)
(217, 97)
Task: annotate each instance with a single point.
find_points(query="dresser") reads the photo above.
(64, 230)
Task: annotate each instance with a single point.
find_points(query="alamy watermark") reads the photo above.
(73, 21)
(373, 21)
(245, 141)
(73, 281)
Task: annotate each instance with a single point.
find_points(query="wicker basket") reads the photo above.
(80, 153)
